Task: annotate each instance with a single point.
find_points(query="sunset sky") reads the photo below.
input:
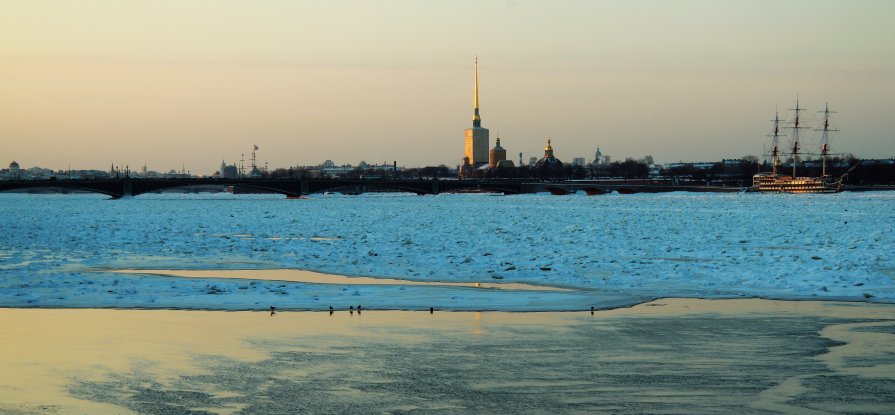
(188, 83)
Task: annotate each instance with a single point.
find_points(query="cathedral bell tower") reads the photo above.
(476, 137)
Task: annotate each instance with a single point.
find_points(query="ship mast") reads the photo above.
(775, 142)
(795, 137)
(825, 137)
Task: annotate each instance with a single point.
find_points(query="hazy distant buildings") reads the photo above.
(330, 169)
(229, 171)
(600, 159)
(16, 172)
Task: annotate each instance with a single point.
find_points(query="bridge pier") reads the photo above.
(127, 187)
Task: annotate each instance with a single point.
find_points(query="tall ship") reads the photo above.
(776, 182)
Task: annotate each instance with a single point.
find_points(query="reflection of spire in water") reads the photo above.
(477, 328)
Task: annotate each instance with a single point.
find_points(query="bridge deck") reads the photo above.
(119, 187)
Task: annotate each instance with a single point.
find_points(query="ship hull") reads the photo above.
(770, 183)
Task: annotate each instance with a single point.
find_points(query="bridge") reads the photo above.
(293, 187)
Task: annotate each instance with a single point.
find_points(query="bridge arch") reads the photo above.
(365, 187)
(101, 191)
(106, 187)
(482, 189)
(468, 186)
(288, 188)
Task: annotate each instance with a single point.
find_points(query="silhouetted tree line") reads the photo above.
(628, 169)
(869, 172)
(723, 173)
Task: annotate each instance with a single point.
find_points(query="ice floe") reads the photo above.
(58, 250)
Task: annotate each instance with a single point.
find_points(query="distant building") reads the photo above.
(600, 159)
(228, 171)
(578, 161)
(363, 169)
(549, 165)
(329, 169)
(497, 155)
(476, 138)
(14, 169)
(697, 166)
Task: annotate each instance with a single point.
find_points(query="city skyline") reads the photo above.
(87, 84)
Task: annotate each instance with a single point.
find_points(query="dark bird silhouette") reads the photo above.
(431, 310)
(330, 308)
(272, 308)
(358, 307)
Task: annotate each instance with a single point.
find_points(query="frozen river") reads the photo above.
(668, 356)
(66, 259)
(604, 251)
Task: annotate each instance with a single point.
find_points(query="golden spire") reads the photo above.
(548, 151)
(476, 119)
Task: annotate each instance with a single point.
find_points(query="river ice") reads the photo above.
(614, 250)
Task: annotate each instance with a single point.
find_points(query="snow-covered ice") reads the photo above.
(60, 250)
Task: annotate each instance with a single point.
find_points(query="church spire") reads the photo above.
(476, 119)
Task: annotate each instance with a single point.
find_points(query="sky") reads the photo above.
(188, 83)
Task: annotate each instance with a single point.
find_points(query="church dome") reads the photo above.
(549, 165)
(13, 166)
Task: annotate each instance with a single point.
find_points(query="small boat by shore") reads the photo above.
(774, 182)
